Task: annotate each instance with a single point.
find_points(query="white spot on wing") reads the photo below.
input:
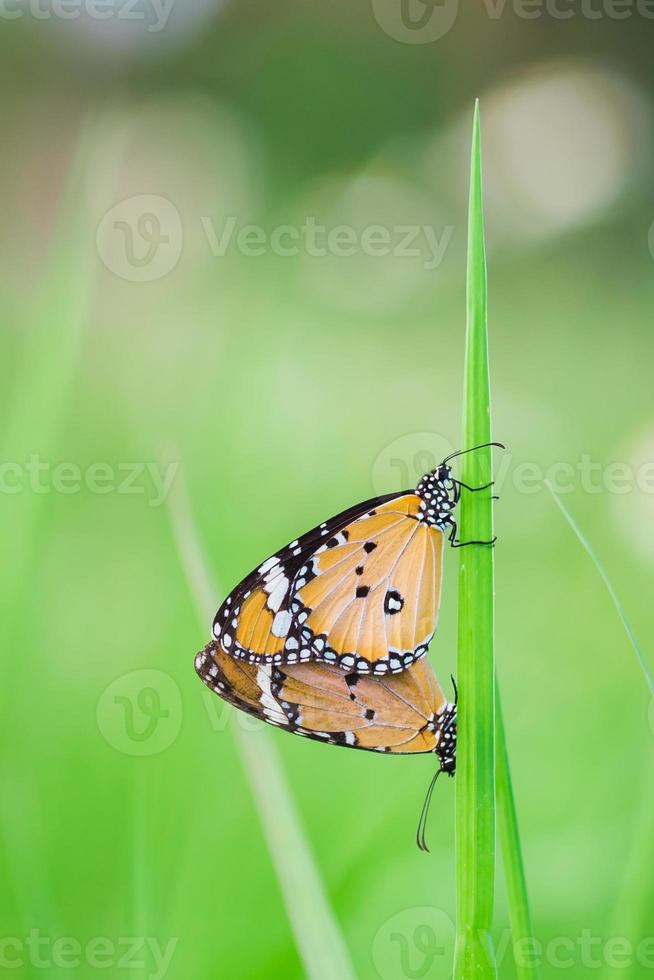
(271, 709)
(281, 623)
(277, 594)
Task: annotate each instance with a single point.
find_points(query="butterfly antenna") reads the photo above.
(462, 452)
(422, 823)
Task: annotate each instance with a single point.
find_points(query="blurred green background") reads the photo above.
(284, 374)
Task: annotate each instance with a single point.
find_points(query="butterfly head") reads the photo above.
(444, 474)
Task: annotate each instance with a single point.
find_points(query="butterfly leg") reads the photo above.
(464, 544)
(458, 485)
(465, 486)
(475, 489)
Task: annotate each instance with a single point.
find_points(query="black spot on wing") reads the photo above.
(351, 680)
(393, 602)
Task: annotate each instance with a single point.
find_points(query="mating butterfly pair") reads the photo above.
(326, 638)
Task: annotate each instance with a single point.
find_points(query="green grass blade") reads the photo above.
(607, 582)
(632, 902)
(319, 941)
(53, 326)
(54, 331)
(632, 895)
(526, 962)
(475, 781)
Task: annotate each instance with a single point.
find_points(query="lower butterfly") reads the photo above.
(402, 714)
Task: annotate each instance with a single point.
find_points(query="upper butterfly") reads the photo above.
(362, 590)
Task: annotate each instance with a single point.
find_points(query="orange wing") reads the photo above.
(368, 599)
(254, 620)
(402, 714)
(361, 590)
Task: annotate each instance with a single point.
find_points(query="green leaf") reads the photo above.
(475, 780)
(480, 722)
(320, 944)
(629, 630)
(525, 954)
(631, 899)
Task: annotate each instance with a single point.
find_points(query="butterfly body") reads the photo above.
(360, 591)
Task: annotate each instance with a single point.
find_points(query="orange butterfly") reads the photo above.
(361, 591)
(402, 714)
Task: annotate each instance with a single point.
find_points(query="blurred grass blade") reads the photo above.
(526, 965)
(53, 331)
(633, 894)
(616, 602)
(318, 938)
(475, 781)
(632, 901)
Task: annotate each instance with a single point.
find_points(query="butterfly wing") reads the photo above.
(399, 714)
(361, 590)
(368, 598)
(254, 620)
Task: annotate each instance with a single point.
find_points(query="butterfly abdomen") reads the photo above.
(446, 746)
